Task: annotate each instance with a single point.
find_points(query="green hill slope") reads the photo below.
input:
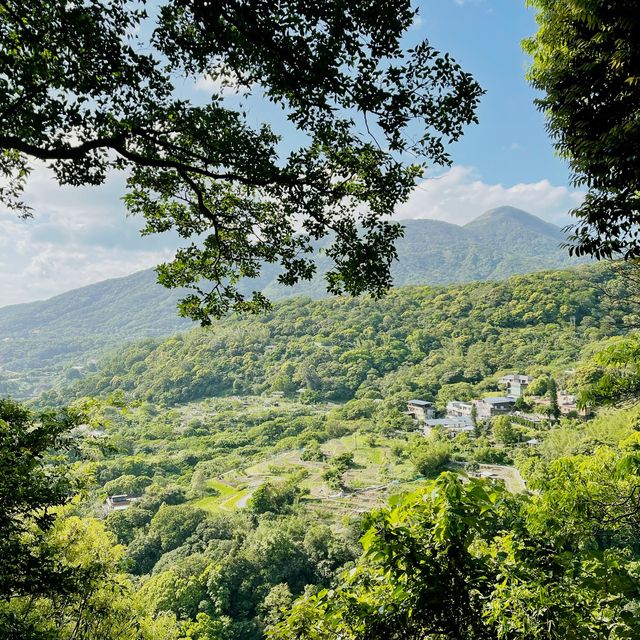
(417, 340)
(41, 341)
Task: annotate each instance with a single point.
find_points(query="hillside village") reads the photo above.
(530, 414)
(533, 411)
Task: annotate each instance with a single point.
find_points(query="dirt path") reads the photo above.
(511, 476)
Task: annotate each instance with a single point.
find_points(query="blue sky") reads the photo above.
(510, 144)
(80, 236)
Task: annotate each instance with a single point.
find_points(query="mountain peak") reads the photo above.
(514, 217)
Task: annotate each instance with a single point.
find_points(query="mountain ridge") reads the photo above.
(66, 332)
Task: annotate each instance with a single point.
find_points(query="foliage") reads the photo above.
(342, 461)
(407, 343)
(586, 62)
(503, 431)
(334, 477)
(472, 561)
(430, 457)
(522, 405)
(418, 576)
(275, 497)
(99, 91)
(35, 480)
(101, 605)
(612, 373)
(312, 452)
(127, 484)
(552, 393)
(458, 559)
(231, 578)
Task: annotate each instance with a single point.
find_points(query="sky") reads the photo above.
(82, 235)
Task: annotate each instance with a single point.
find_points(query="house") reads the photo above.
(452, 425)
(120, 502)
(567, 404)
(458, 409)
(494, 406)
(421, 409)
(515, 384)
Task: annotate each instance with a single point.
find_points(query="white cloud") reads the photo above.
(224, 86)
(77, 236)
(459, 195)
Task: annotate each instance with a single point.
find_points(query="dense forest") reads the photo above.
(430, 342)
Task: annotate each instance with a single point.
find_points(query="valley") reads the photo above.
(235, 468)
(351, 388)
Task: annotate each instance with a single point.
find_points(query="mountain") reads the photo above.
(67, 332)
(501, 242)
(40, 339)
(413, 342)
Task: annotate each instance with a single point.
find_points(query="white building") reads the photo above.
(515, 384)
(458, 409)
(452, 425)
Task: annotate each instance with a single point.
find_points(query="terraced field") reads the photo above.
(375, 476)
(371, 480)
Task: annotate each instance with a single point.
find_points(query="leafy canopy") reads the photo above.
(586, 61)
(88, 86)
(34, 482)
(469, 560)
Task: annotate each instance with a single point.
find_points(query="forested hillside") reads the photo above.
(61, 337)
(420, 340)
(499, 243)
(242, 512)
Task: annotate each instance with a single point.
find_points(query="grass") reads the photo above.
(225, 500)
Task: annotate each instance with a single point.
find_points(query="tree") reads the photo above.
(474, 414)
(503, 430)
(275, 497)
(552, 392)
(312, 452)
(86, 89)
(276, 602)
(174, 524)
(333, 476)
(441, 596)
(343, 461)
(586, 61)
(430, 458)
(612, 374)
(35, 480)
(489, 565)
(127, 484)
(102, 604)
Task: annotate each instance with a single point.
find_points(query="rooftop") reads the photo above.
(516, 377)
(456, 421)
(499, 400)
(421, 403)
